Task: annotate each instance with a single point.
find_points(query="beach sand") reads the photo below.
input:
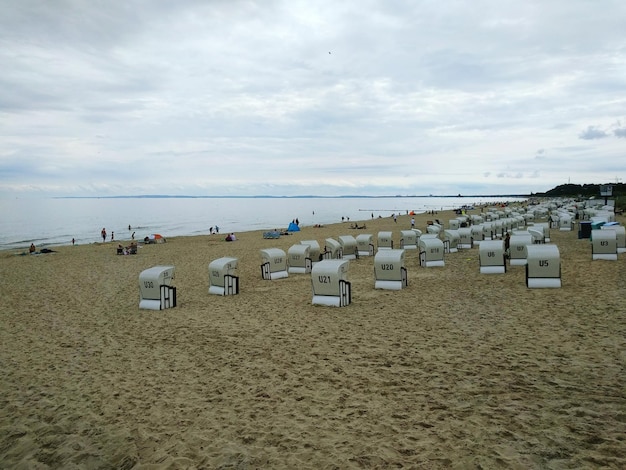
(460, 370)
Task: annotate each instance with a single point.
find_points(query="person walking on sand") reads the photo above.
(507, 245)
(103, 233)
(112, 236)
(412, 222)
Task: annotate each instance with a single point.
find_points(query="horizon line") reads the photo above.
(303, 196)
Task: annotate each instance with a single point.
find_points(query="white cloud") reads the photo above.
(248, 97)
(592, 132)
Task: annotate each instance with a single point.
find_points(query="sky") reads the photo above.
(283, 98)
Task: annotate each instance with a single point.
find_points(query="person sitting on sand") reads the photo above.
(231, 238)
(32, 248)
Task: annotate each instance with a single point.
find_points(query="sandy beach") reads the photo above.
(460, 370)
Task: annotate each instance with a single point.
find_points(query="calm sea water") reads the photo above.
(53, 222)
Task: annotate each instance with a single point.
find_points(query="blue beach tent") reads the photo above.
(293, 227)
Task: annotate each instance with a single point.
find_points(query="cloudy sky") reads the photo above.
(229, 97)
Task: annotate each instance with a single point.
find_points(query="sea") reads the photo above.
(49, 222)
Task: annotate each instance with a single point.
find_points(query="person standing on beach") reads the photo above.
(112, 236)
(103, 233)
(412, 222)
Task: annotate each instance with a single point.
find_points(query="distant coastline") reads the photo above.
(564, 190)
(352, 196)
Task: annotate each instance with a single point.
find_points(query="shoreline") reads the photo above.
(29, 222)
(140, 242)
